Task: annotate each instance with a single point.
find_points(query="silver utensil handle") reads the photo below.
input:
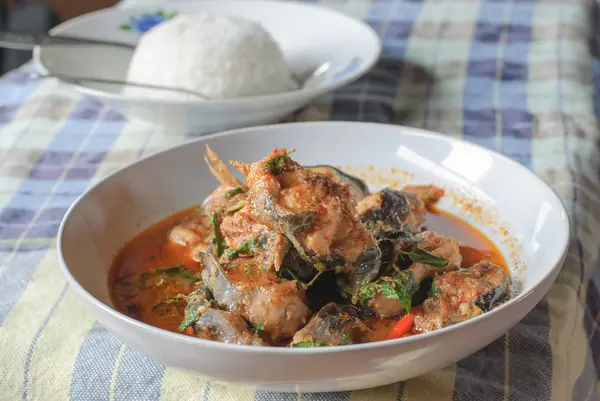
(27, 41)
(81, 81)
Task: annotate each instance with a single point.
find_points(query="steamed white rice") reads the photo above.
(220, 57)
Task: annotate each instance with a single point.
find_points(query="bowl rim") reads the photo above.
(301, 92)
(287, 351)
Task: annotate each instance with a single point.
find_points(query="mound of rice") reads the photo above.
(217, 56)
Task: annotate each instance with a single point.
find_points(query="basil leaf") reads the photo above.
(346, 340)
(199, 301)
(236, 207)
(434, 291)
(217, 236)
(178, 270)
(419, 255)
(244, 249)
(402, 286)
(308, 344)
(233, 192)
(276, 164)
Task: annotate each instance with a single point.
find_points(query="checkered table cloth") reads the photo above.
(515, 76)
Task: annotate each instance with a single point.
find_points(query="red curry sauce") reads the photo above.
(141, 299)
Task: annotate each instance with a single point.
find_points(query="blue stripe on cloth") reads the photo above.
(93, 368)
(529, 346)
(138, 377)
(516, 120)
(275, 396)
(14, 92)
(36, 339)
(15, 274)
(336, 396)
(479, 117)
(481, 376)
(21, 209)
(355, 102)
(430, 85)
(207, 390)
(595, 68)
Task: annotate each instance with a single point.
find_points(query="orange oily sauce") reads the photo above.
(141, 299)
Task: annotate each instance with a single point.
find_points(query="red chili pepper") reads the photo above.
(189, 331)
(402, 327)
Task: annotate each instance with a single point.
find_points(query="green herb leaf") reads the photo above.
(236, 207)
(169, 301)
(401, 286)
(276, 164)
(346, 340)
(434, 291)
(244, 249)
(308, 344)
(233, 192)
(217, 236)
(345, 289)
(259, 327)
(191, 315)
(178, 270)
(292, 274)
(126, 27)
(199, 301)
(419, 255)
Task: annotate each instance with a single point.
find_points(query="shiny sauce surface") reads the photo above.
(138, 293)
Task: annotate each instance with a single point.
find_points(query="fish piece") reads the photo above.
(358, 188)
(443, 247)
(262, 298)
(461, 295)
(391, 210)
(389, 296)
(333, 325)
(218, 168)
(429, 194)
(227, 327)
(191, 231)
(317, 216)
(224, 200)
(392, 295)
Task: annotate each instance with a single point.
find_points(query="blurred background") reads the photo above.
(39, 16)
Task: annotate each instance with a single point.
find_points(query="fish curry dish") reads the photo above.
(307, 256)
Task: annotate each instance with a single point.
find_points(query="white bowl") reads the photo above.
(520, 213)
(309, 36)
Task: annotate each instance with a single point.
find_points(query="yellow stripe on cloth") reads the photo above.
(384, 393)
(57, 348)
(24, 320)
(220, 392)
(433, 386)
(182, 385)
(568, 340)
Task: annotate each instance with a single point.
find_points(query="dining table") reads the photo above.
(520, 77)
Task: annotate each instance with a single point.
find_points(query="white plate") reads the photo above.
(518, 211)
(308, 35)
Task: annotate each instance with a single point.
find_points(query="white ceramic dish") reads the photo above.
(308, 35)
(514, 199)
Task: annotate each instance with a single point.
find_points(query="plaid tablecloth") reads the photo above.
(516, 76)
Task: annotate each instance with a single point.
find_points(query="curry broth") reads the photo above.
(143, 299)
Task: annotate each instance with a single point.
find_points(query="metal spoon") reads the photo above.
(306, 80)
(27, 41)
(80, 81)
